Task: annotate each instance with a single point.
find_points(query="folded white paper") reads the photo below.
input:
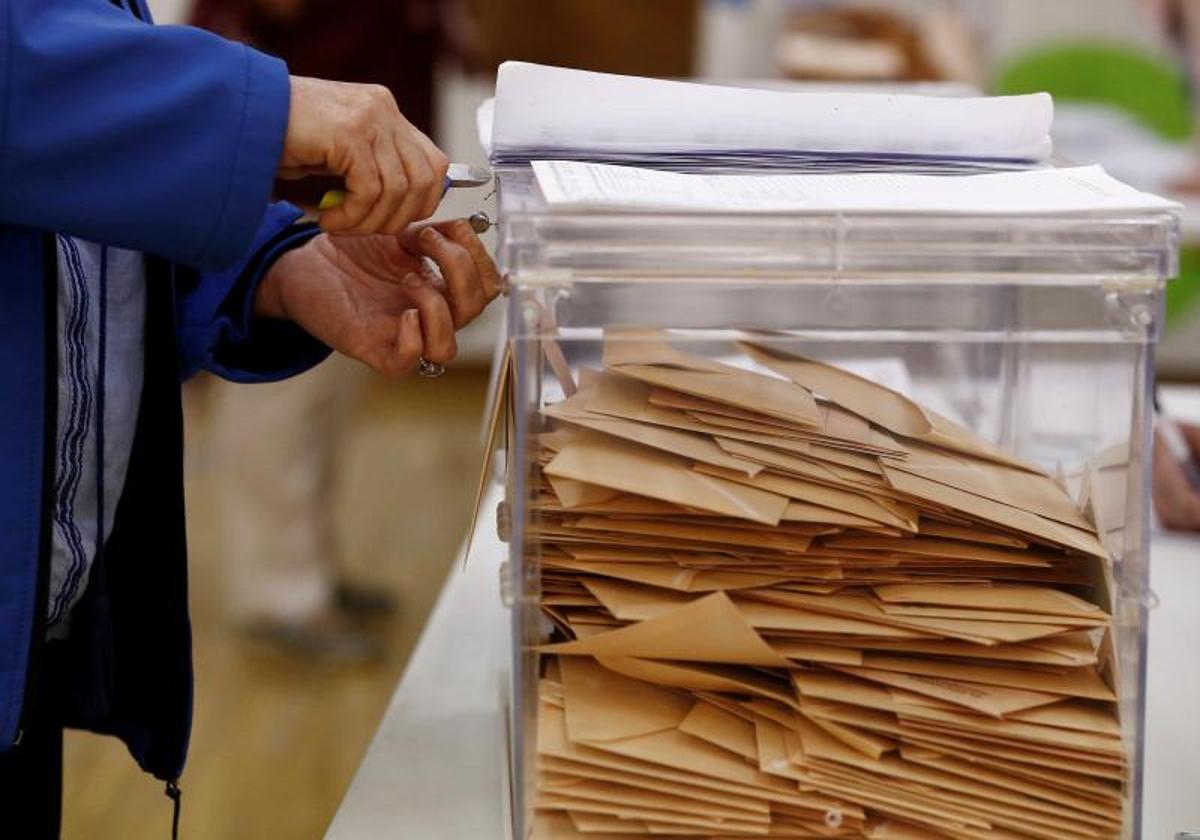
(1084, 189)
(554, 113)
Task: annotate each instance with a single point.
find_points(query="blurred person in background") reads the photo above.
(1176, 496)
(140, 246)
(285, 579)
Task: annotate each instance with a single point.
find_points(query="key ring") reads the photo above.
(428, 369)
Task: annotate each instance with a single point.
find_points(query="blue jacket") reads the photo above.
(163, 140)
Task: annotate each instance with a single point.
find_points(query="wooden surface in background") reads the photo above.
(613, 36)
(276, 740)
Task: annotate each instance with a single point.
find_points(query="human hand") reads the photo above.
(375, 299)
(1176, 499)
(394, 174)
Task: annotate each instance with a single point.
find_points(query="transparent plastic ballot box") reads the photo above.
(1028, 341)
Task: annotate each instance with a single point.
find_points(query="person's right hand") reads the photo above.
(1176, 501)
(394, 174)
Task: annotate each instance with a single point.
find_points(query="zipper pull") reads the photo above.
(176, 796)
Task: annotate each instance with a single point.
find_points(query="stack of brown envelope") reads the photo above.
(805, 606)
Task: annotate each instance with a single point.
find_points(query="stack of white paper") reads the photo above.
(553, 113)
(1083, 189)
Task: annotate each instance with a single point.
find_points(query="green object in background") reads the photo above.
(1148, 88)
(1183, 293)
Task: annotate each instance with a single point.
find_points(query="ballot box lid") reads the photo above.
(540, 243)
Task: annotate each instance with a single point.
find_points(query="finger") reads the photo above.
(464, 288)
(439, 163)
(1191, 433)
(393, 188)
(363, 188)
(423, 194)
(437, 324)
(461, 232)
(402, 358)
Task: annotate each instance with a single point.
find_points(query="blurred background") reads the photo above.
(325, 513)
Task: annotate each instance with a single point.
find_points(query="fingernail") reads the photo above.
(411, 318)
(413, 281)
(430, 235)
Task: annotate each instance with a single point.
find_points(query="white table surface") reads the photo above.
(437, 767)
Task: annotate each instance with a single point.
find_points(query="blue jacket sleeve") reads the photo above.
(217, 329)
(163, 139)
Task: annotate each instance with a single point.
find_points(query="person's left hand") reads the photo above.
(375, 299)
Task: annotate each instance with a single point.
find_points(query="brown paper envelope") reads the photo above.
(813, 492)
(895, 804)
(989, 615)
(1033, 599)
(852, 477)
(556, 825)
(617, 554)
(641, 812)
(591, 824)
(959, 743)
(786, 616)
(1074, 682)
(590, 771)
(1024, 653)
(636, 602)
(797, 511)
(618, 396)
(604, 706)
(721, 728)
(741, 389)
(847, 458)
(867, 743)
(702, 409)
(1099, 718)
(998, 778)
(1037, 754)
(864, 609)
(780, 429)
(840, 688)
(1105, 793)
(971, 533)
(620, 793)
(570, 601)
(685, 444)
(1019, 814)
(995, 513)
(674, 747)
(882, 406)
(956, 549)
(573, 493)
(794, 464)
(701, 677)
(779, 713)
(639, 703)
(894, 830)
(666, 576)
(638, 346)
(710, 629)
(1023, 800)
(776, 539)
(774, 758)
(1018, 488)
(809, 652)
(986, 699)
(610, 462)
(1015, 730)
